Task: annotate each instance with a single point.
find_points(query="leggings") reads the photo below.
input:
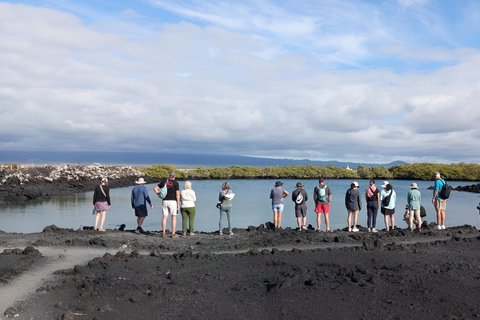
(188, 214)
(372, 210)
(228, 211)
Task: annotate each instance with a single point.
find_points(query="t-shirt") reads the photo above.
(375, 196)
(328, 193)
(304, 194)
(438, 186)
(277, 195)
(414, 198)
(172, 188)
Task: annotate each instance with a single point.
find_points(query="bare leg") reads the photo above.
(392, 218)
(164, 225)
(355, 217)
(319, 220)
(327, 221)
(140, 221)
(102, 221)
(299, 222)
(442, 217)
(174, 224)
(275, 218)
(279, 219)
(349, 220)
(305, 221)
(97, 217)
(385, 217)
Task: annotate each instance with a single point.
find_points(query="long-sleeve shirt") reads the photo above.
(140, 196)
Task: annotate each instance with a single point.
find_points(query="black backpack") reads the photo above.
(386, 200)
(445, 191)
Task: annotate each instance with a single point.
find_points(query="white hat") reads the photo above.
(140, 181)
(384, 185)
(413, 186)
(356, 184)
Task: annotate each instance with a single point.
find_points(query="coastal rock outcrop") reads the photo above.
(19, 183)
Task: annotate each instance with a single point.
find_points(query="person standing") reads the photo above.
(170, 204)
(101, 202)
(388, 197)
(139, 199)
(300, 197)
(353, 203)
(439, 203)
(372, 197)
(414, 197)
(187, 198)
(322, 196)
(278, 195)
(225, 205)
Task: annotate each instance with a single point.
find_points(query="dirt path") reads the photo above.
(56, 258)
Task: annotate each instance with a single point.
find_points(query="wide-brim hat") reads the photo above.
(384, 185)
(413, 186)
(278, 184)
(140, 181)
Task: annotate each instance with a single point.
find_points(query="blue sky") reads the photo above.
(360, 81)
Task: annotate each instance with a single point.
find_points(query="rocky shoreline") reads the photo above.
(258, 273)
(31, 182)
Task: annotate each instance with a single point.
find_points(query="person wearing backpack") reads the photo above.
(372, 197)
(300, 197)
(322, 196)
(438, 201)
(353, 203)
(388, 197)
(414, 197)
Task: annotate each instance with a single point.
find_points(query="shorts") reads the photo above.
(387, 212)
(300, 212)
(141, 211)
(169, 207)
(319, 208)
(440, 204)
(101, 206)
(278, 207)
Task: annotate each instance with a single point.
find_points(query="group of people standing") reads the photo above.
(175, 201)
(375, 199)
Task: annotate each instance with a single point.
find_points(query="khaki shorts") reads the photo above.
(169, 207)
(440, 205)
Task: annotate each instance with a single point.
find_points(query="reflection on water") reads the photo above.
(251, 206)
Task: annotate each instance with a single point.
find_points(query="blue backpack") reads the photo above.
(321, 194)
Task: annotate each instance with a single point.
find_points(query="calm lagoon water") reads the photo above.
(251, 206)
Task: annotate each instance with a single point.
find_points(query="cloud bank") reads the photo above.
(355, 81)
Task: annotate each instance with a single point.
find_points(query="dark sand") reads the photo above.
(255, 274)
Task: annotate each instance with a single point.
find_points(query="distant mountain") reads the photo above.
(176, 159)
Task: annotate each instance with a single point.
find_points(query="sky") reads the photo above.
(360, 81)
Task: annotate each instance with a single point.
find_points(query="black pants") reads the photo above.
(372, 210)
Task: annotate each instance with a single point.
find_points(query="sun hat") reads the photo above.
(278, 184)
(384, 185)
(140, 181)
(299, 184)
(355, 183)
(413, 186)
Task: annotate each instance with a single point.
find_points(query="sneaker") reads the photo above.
(139, 230)
(355, 230)
(220, 233)
(319, 230)
(304, 228)
(231, 233)
(437, 228)
(443, 227)
(374, 230)
(369, 229)
(192, 233)
(349, 229)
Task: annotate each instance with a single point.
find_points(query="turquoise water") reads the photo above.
(251, 206)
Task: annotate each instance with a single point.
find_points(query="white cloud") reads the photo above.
(126, 85)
